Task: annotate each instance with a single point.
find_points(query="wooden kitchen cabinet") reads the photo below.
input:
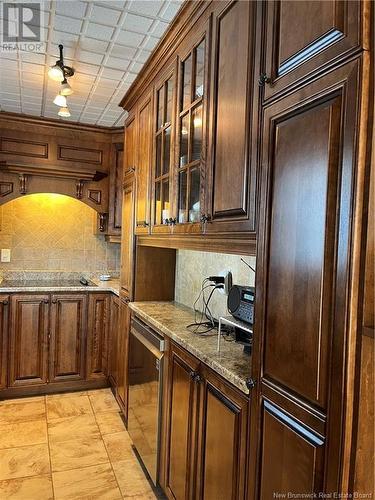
(130, 145)
(181, 426)
(98, 335)
(205, 432)
(28, 340)
(68, 331)
(143, 167)
(303, 275)
(113, 341)
(231, 176)
(305, 37)
(4, 326)
(122, 355)
(115, 186)
(127, 242)
(222, 449)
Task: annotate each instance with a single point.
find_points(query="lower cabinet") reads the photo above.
(113, 340)
(66, 340)
(28, 340)
(97, 335)
(53, 339)
(206, 432)
(122, 353)
(4, 325)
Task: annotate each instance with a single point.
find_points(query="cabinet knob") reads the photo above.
(145, 224)
(5, 302)
(166, 221)
(45, 301)
(127, 300)
(205, 218)
(197, 379)
(263, 79)
(172, 222)
(54, 301)
(250, 383)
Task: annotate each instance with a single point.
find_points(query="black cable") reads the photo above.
(206, 312)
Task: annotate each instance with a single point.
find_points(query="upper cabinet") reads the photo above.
(232, 165)
(161, 214)
(143, 167)
(115, 186)
(304, 37)
(191, 119)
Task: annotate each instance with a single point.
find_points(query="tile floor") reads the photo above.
(70, 446)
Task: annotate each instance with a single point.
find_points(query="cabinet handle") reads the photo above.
(263, 79)
(166, 221)
(145, 224)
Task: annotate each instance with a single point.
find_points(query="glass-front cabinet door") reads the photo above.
(163, 153)
(190, 134)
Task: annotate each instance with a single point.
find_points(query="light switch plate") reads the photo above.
(5, 255)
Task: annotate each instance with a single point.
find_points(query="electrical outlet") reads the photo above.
(5, 255)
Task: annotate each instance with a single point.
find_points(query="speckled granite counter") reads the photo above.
(171, 319)
(59, 286)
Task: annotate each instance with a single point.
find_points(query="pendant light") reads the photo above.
(64, 112)
(60, 100)
(65, 89)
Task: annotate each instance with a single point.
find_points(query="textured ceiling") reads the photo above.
(106, 42)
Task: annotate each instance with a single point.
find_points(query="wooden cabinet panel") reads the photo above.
(130, 146)
(4, 324)
(115, 188)
(122, 353)
(97, 335)
(28, 340)
(304, 36)
(231, 202)
(113, 340)
(181, 424)
(127, 242)
(68, 329)
(143, 169)
(292, 455)
(223, 446)
(309, 171)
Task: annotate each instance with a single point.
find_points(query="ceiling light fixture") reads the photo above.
(59, 73)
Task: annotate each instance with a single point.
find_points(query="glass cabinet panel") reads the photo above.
(190, 138)
(163, 153)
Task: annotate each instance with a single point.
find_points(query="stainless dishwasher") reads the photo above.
(146, 349)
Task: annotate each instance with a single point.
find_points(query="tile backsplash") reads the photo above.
(51, 232)
(192, 267)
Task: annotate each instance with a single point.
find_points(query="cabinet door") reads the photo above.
(97, 335)
(68, 331)
(122, 350)
(303, 37)
(309, 171)
(181, 428)
(115, 188)
(223, 440)
(113, 341)
(191, 128)
(232, 176)
(4, 314)
(28, 348)
(143, 169)
(163, 136)
(130, 146)
(127, 242)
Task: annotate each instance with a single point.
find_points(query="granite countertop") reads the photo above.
(171, 319)
(13, 286)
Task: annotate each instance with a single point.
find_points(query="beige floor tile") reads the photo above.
(110, 422)
(119, 446)
(90, 483)
(68, 406)
(78, 453)
(132, 480)
(23, 434)
(103, 401)
(22, 410)
(67, 395)
(24, 462)
(27, 488)
(67, 429)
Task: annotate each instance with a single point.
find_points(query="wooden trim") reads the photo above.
(55, 172)
(56, 123)
(226, 243)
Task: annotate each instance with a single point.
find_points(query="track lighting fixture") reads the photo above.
(59, 73)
